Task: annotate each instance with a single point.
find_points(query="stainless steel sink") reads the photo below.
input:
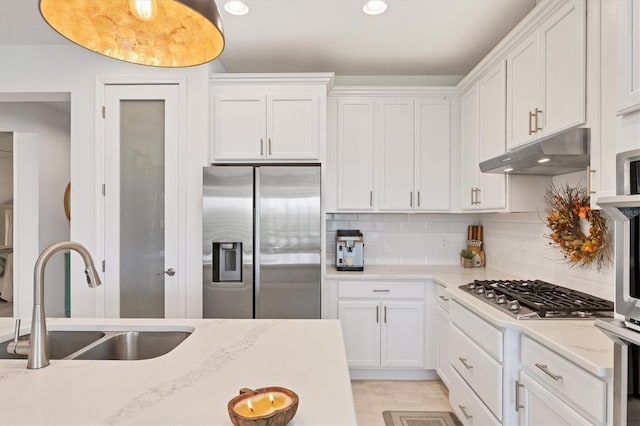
(61, 343)
(108, 344)
(134, 345)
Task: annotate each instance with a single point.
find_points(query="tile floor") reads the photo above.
(372, 397)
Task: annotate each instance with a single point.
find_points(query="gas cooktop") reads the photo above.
(535, 299)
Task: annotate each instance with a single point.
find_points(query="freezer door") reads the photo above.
(227, 221)
(288, 220)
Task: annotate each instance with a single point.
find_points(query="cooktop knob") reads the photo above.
(514, 305)
(501, 300)
(480, 289)
(490, 294)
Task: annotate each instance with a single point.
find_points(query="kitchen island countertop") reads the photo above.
(190, 385)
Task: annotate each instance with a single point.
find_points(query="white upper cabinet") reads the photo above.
(628, 56)
(524, 91)
(260, 117)
(292, 126)
(432, 154)
(395, 141)
(547, 77)
(482, 136)
(240, 125)
(355, 151)
(393, 153)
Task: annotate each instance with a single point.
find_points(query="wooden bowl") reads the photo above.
(278, 417)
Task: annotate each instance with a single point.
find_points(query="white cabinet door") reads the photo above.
(361, 328)
(628, 56)
(402, 334)
(292, 127)
(539, 407)
(432, 154)
(394, 138)
(523, 93)
(492, 128)
(563, 68)
(469, 134)
(442, 340)
(239, 127)
(355, 154)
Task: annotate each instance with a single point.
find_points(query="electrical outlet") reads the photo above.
(444, 243)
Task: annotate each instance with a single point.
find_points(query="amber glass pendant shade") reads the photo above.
(163, 33)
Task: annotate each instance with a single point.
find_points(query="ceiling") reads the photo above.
(414, 37)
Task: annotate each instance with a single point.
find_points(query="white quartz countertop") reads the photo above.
(190, 385)
(577, 340)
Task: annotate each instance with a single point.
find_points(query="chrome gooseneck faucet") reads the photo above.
(37, 346)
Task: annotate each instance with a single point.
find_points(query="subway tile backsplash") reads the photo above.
(513, 242)
(404, 239)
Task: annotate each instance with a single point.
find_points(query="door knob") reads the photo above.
(171, 272)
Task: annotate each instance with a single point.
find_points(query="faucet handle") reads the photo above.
(16, 332)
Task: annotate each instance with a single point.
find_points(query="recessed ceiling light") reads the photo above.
(544, 160)
(236, 7)
(374, 7)
(508, 169)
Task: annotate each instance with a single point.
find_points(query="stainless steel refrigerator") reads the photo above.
(261, 241)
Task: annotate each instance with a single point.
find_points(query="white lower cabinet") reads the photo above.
(465, 403)
(537, 406)
(577, 392)
(477, 376)
(385, 324)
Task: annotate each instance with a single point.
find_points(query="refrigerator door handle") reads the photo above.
(256, 244)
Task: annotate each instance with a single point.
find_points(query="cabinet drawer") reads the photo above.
(467, 406)
(443, 297)
(586, 392)
(484, 334)
(478, 369)
(381, 289)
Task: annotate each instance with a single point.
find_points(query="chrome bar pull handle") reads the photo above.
(269, 145)
(472, 192)
(446, 299)
(478, 190)
(536, 112)
(464, 411)
(411, 199)
(531, 115)
(261, 146)
(377, 314)
(590, 172)
(518, 386)
(385, 314)
(370, 198)
(545, 369)
(381, 291)
(464, 362)
(418, 198)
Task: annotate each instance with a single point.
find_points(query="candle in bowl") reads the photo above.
(272, 406)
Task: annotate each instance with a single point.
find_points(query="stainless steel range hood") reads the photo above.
(565, 152)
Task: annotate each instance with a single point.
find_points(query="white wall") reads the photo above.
(52, 125)
(74, 70)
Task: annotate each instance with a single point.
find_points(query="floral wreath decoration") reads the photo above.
(567, 210)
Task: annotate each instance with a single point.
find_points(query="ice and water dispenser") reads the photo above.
(227, 262)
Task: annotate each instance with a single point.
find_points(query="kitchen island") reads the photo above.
(190, 385)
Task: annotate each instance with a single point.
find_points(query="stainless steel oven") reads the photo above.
(626, 371)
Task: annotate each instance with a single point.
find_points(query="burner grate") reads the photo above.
(546, 299)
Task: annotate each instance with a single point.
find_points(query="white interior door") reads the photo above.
(141, 201)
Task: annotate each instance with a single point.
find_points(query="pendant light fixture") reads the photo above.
(163, 33)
